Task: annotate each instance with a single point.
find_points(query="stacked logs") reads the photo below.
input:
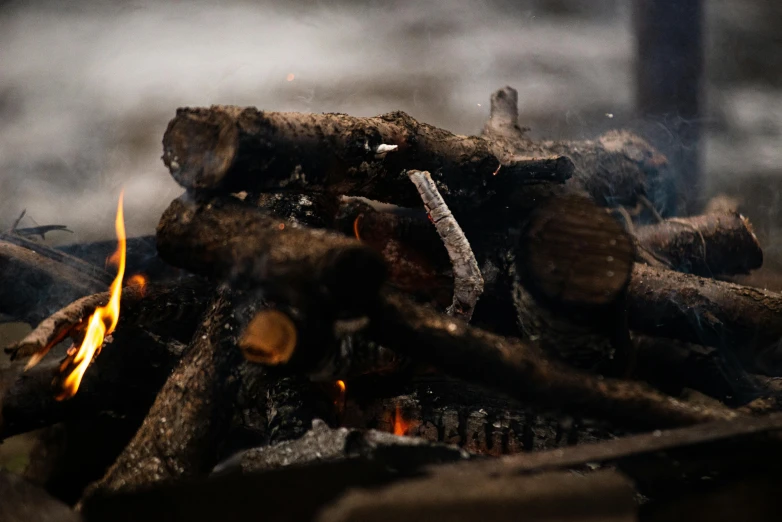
(329, 247)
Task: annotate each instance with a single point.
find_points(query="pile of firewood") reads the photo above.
(328, 279)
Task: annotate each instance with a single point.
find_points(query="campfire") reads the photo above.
(350, 318)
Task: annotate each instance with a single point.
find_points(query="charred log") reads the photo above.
(323, 444)
(615, 169)
(707, 245)
(125, 378)
(521, 371)
(234, 148)
(742, 319)
(141, 257)
(164, 310)
(180, 435)
(229, 240)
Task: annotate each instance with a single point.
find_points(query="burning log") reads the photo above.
(125, 379)
(229, 240)
(142, 257)
(417, 260)
(468, 282)
(436, 408)
(742, 319)
(231, 149)
(615, 169)
(180, 435)
(707, 245)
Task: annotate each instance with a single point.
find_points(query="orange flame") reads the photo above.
(101, 323)
(401, 426)
(139, 280)
(341, 387)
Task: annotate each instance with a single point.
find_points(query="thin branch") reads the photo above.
(467, 278)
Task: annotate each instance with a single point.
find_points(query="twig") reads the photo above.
(41, 231)
(16, 223)
(467, 279)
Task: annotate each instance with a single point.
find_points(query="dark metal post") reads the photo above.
(669, 84)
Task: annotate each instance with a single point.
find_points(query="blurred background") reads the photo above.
(88, 86)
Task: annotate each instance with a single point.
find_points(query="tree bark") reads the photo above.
(707, 245)
(179, 437)
(745, 320)
(614, 169)
(230, 149)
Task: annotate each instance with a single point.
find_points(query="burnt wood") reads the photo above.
(231, 148)
(229, 240)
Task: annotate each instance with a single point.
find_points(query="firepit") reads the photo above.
(349, 318)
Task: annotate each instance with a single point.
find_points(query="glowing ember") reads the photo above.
(356, 225)
(139, 280)
(340, 400)
(401, 426)
(101, 323)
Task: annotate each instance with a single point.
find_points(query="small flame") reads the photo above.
(356, 225)
(139, 280)
(290, 77)
(401, 426)
(101, 323)
(341, 387)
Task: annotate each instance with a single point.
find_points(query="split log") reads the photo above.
(179, 436)
(707, 245)
(125, 378)
(229, 240)
(745, 320)
(522, 372)
(231, 149)
(37, 280)
(615, 169)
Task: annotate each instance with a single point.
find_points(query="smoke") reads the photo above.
(87, 89)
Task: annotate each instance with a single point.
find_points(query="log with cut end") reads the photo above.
(234, 148)
(707, 245)
(615, 169)
(229, 240)
(704, 311)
